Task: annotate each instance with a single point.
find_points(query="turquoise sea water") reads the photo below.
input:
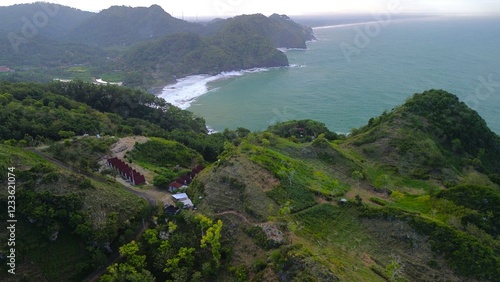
(460, 55)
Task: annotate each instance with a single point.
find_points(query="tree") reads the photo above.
(320, 141)
(204, 221)
(212, 237)
(184, 256)
(171, 227)
(151, 236)
(394, 268)
(66, 134)
(133, 269)
(161, 181)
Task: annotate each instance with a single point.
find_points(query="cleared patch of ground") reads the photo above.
(126, 144)
(397, 240)
(120, 150)
(239, 185)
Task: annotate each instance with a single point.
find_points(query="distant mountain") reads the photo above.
(280, 29)
(120, 25)
(41, 19)
(291, 34)
(185, 54)
(48, 39)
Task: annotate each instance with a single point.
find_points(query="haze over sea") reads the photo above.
(458, 54)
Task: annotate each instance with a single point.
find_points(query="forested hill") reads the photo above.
(54, 21)
(187, 54)
(280, 29)
(120, 25)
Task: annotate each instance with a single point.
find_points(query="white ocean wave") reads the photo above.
(211, 130)
(284, 50)
(185, 91)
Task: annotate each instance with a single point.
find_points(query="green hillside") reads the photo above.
(411, 196)
(280, 29)
(185, 54)
(433, 135)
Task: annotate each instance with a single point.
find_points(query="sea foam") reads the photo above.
(185, 91)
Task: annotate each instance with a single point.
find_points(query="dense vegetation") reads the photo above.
(485, 201)
(34, 112)
(188, 248)
(302, 130)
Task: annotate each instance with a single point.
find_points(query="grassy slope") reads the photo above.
(354, 248)
(160, 154)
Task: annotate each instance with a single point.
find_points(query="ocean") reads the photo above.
(354, 72)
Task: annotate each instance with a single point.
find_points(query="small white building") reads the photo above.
(187, 203)
(180, 196)
(184, 199)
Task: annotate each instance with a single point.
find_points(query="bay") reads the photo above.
(343, 83)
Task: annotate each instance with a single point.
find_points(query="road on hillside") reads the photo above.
(97, 178)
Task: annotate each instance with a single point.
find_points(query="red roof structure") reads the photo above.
(181, 181)
(126, 171)
(174, 186)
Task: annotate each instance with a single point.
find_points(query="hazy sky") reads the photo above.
(224, 8)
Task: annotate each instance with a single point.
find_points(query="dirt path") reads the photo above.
(159, 195)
